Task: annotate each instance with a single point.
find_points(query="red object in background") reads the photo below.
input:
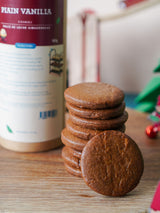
(84, 17)
(156, 200)
(152, 130)
(158, 101)
(128, 3)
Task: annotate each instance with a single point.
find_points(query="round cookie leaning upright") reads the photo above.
(94, 95)
(111, 163)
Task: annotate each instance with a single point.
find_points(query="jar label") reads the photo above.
(31, 69)
(39, 22)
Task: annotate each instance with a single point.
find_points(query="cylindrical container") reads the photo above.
(32, 73)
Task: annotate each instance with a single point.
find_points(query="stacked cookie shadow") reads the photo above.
(93, 108)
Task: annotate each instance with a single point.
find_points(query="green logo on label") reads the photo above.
(58, 20)
(9, 129)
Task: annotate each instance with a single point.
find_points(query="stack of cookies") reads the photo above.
(93, 108)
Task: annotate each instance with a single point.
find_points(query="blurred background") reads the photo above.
(129, 46)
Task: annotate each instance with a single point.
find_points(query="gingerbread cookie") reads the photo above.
(94, 95)
(111, 163)
(99, 124)
(72, 170)
(69, 158)
(75, 153)
(97, 113)
(70, 140)
(85, 133)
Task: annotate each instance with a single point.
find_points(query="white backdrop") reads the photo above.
(130, 47)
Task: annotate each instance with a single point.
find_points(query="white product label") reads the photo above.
(31, 92)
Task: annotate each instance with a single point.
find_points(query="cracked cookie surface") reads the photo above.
(111, 163)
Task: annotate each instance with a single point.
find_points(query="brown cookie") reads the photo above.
(85, 133)
(96, 113)
(99, 124)
(94, 95)
(111, 163)
(69, 158)
(70, 140)
(72, 170)
(75, 153)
